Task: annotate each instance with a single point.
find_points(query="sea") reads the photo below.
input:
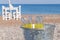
(36, 8)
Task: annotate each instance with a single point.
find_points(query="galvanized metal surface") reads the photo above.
(46, 34)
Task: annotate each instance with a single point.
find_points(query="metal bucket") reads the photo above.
(46, 34)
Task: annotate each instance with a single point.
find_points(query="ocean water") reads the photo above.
(36, 8)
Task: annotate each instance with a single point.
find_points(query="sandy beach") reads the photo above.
(10, 29)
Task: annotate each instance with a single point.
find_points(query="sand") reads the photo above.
(10, 29)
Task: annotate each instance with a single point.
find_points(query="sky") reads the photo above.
(31, 1)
